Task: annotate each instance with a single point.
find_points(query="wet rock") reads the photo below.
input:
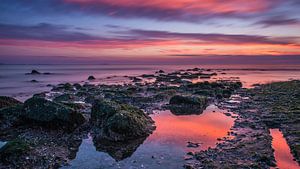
(34, 81)
(51, 114)
(12, 150)
(160, 71)
(33, 72)
(91, 78)
(189, 100)
(42, 95)
(6, 101)
(10, 116)
(120, 122)
(77, 86)
(64, 98)
(192, 144)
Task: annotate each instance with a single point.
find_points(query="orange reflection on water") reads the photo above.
(204, 128)
(282, 153)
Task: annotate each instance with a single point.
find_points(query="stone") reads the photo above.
(120, 122)
(6, 101)
(91, 78)
(45, 112)
(200, 101)
(34, 72)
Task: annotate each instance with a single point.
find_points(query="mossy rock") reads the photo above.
(64, 98)
(13, 149)
(11, 116)
(120, 122)
(6, 101)
(200, 101)
(52, 114)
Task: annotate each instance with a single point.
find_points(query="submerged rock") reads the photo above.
(120, 122)
(6, 101)
(51, 114)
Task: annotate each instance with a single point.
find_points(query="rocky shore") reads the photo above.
(46, 130)
(274, 105)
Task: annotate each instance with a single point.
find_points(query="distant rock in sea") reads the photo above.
(91, 78)
(33, 72)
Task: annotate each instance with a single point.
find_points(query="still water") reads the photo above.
(165, 148)
(282, 152)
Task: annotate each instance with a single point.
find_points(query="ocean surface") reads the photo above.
(14, 81)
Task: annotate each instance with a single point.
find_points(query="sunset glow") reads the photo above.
(137, 29)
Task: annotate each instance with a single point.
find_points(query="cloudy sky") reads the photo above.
(150, 30)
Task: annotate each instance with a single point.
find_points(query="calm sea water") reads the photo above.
(14, 82)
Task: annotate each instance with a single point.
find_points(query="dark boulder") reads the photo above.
(64, 98)
(10, 116)
(189, 100)
(160, 71)
(51, 114)
(186, 105)
(6, 101)
(12, 150)
(120, 122)
(33, 72)
(91, 78)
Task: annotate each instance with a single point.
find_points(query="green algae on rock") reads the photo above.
(120, 122)
(52, 114)
(6, 101)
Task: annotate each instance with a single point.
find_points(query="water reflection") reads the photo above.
(282, 152)
(118, 150)
(186, 110)
(165, 148)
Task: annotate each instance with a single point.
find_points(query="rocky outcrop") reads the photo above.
(6, 101)
(52, 114)
(120, 122)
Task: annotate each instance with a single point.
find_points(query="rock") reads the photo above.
(64, 98)
(192, 145)
(91, 78)
(77, 86)
(51, 114)
(160, 71)
(120, 122)
(186, 110)
(10, 116)
(13, 149)
(33, 81)
(136, 79)
(189, 100)
(68, 86)
(6, 101)
(34, 72)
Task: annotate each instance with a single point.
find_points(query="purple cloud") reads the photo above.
(279, 21)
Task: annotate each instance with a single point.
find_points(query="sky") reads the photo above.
(111, 31)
